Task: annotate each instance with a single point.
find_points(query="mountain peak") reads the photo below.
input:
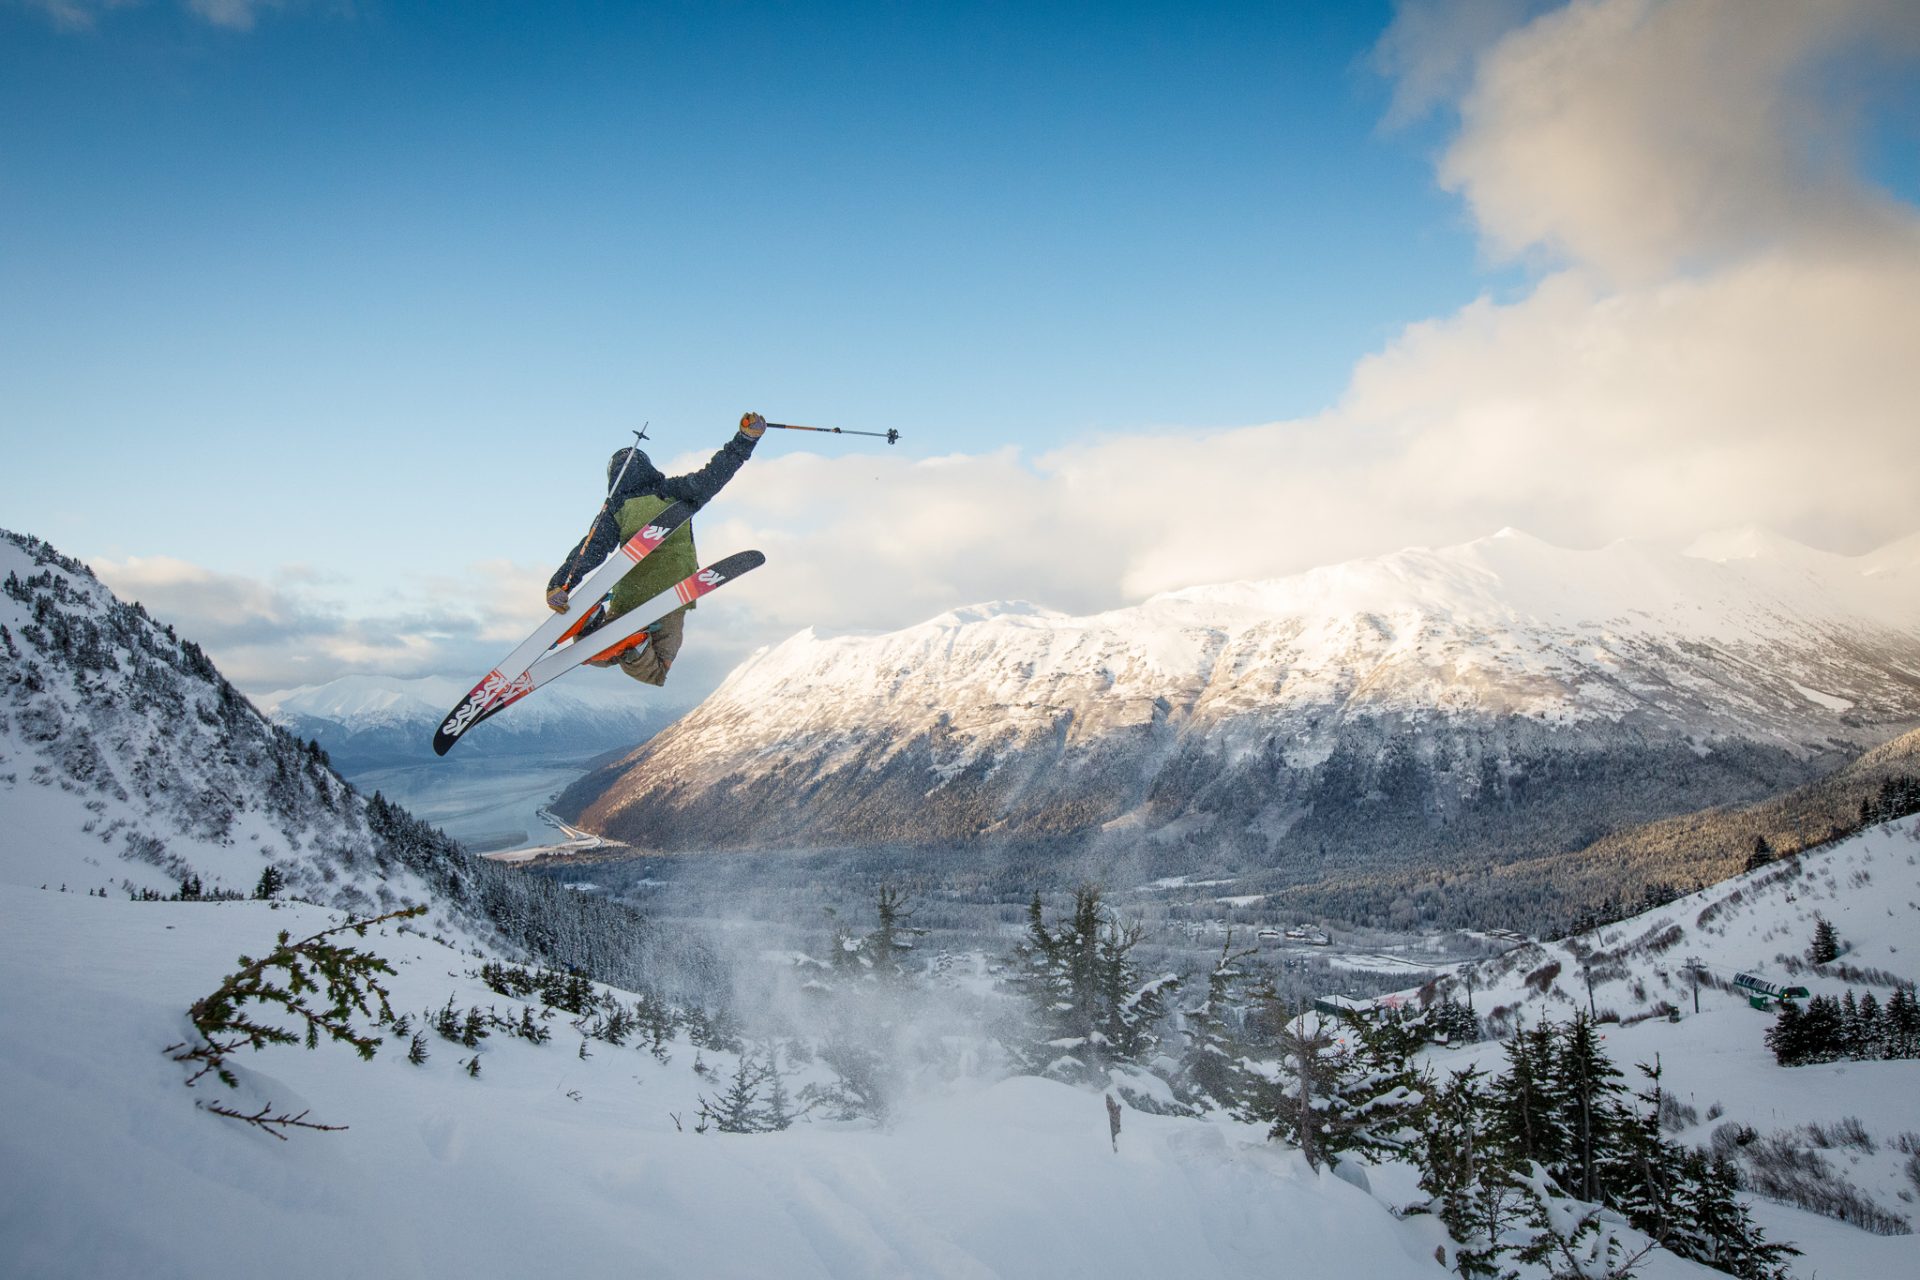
(1748, 542)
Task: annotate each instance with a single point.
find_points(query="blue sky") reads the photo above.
(341, 306)
(387, 250)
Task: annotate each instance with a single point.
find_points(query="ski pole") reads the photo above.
(890, 436)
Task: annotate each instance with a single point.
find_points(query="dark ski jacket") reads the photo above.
(643, 494)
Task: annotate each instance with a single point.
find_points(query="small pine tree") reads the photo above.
(346, 979)
(1212, 1071)
(446, 1022)
(1585, 1088)
(1786, 1037)
(1825, 948)
(738, 1109)
(271, 882)
(778, 1113)
(1525, 1124)
(1462, 1170)
(1380, 1088)
(1305, 1106)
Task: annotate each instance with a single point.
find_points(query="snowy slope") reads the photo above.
(129, 765)
(1716, 1061)
(548, 1164)
(1460, 688)
(1759, 922)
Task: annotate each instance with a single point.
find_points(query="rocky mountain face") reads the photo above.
(370, 722)
(1491, 700)
(129, 764)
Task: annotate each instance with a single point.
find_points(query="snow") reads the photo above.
(1827, 700)
(108, 1169)
(1745, 636)
(1716, 1060)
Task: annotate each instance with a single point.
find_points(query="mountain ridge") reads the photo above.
(1457, 686)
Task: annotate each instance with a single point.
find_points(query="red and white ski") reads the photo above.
(605, 642)
(500, 681)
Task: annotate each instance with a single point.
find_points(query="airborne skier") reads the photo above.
(639, 555)
(638, 492)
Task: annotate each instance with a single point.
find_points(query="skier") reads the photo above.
(637, 492)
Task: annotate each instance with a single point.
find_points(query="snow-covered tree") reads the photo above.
(1213, 1072)
(1462, 1174)
(1089, 1006)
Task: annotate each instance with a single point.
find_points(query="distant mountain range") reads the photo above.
(1494, 700)
(366, 722)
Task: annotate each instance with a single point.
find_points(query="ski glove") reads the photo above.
(557, 599)
(752, 426)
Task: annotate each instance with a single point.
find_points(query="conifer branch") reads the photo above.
(345, 979)
(263, 1119)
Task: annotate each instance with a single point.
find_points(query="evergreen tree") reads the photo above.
(1380, 1088)
(1787, 1037)
(1525, 1123)
(1641, 1170)
(1305, 1106)
(1212, 1072)
(1820, 1028)
(1825, 948)
(778, 1113)
(738, 1109)
(1848, 1041)
(1454, 1023)
(1715, 1228)
(1902, 1024)
(1584, 1089)
(1573, 1238)
(1088, 1005)
(1762, 854)
(1462, 1174)
(271, 882)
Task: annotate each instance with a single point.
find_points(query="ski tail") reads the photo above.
(610, 639)
(509, 676)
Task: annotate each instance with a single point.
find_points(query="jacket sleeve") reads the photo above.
(699, 487)
(589, 551)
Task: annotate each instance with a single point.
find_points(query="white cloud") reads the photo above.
(1728, 340)
(236, 14)
(1643, 136)
(290, 630)
(84, 15)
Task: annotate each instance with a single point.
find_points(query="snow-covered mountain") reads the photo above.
(1499, 697)
(368, 721)
(129, 765)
